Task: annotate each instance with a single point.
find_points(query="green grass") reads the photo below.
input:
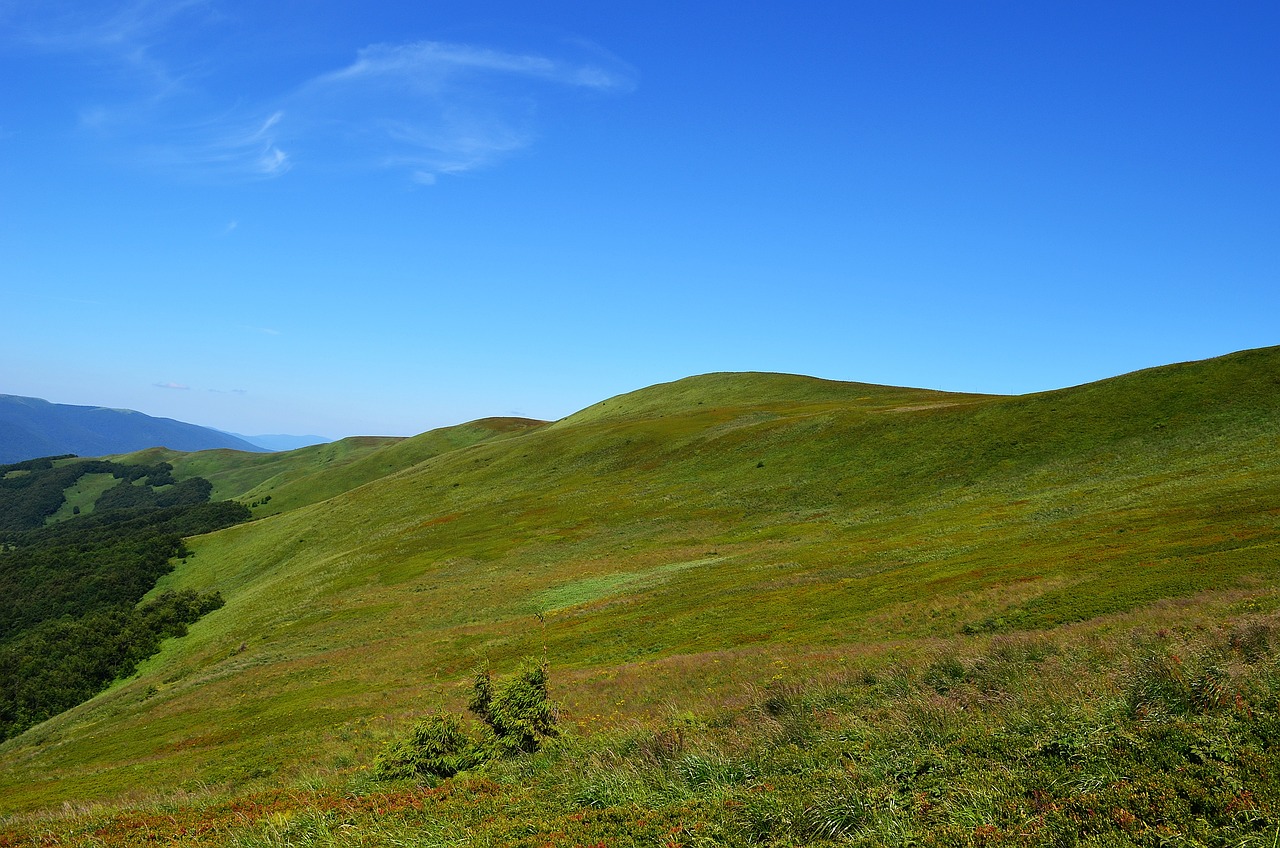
(1150, 729)
(308, 475)
(81, 497)
(689, 545)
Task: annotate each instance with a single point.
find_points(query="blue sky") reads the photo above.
(320, 217)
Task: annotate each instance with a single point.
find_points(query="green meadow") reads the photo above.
(776, 610)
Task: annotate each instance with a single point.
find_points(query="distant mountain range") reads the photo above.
(31, 427)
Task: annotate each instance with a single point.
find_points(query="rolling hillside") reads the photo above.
(281, 481)
(671, 551)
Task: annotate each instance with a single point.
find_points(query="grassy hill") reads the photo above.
(690, 549)
(311, 474)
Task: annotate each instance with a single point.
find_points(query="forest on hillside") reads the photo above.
(70, 618)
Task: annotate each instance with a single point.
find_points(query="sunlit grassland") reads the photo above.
(278, 482)
(1069, 737)
(81, 496)
(687, 547)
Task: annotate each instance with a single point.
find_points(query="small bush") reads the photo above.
(1199, 682)
(660, 747)
(1158, 681)
(839, 813)
(519, 715)
(519, 712)
(438, 746)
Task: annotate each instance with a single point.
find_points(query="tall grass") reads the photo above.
(1161, 731)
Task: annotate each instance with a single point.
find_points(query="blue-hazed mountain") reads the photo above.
(31, 427)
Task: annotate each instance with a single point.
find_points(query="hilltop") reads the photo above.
(684, 550)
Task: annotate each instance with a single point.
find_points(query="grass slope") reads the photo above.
(683, 544)
(82, 496)
(318, 472)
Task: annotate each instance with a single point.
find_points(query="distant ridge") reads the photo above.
(32, 427)
(275, 442)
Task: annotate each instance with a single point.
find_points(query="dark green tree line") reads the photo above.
(70, 619)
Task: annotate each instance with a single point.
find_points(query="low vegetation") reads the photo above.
(517, 715)
(1156, 729)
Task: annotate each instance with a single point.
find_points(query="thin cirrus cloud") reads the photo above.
(180, 387)
(425, 108)
(428, 108)
(223, 147)
(429, 66)
(122, 28)
(126, 35)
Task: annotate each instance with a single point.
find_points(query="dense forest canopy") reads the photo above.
(70, 619)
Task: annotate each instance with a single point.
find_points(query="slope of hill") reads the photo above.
(672, 549)
(31, 427)
(281, 481)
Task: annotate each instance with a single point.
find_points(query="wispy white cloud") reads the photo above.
(429, 66)
(143, 77)
(266, 331)
(266, 158)
(426, 108)
(221, 147)
(178, 386)
(73, 26)
(433, 108)
(123, 35)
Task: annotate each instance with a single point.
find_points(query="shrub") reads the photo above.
(519, 712)
(519, 715)
(438, 746)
